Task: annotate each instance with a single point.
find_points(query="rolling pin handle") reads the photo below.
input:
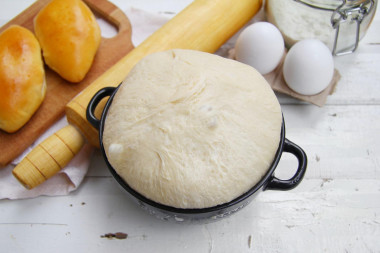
(90, 112)
(49, 157)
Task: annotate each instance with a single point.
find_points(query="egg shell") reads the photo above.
(261, 46)
(308, 67)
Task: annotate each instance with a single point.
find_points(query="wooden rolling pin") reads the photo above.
(204, 25)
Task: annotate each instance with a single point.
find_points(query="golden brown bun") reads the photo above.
(22, 77)
(69, 36)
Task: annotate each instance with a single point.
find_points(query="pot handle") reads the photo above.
(279, 184)
(105, 92)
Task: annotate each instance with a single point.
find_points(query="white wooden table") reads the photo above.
(336, 208)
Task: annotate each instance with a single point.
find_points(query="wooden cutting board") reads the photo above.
(60, 92)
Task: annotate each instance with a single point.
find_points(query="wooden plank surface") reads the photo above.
(336, 208)
(59, 92)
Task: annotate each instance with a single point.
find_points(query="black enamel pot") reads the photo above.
(268, 182)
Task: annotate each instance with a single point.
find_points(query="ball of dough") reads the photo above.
(192, 130)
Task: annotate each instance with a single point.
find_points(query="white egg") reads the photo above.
(309, 67)
(261, 46)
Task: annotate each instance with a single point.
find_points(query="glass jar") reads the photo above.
(340, 24)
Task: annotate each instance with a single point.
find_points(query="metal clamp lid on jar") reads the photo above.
(354, 10)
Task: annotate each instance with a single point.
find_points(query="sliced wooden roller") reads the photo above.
(56, 151)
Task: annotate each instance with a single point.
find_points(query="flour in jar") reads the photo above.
(297, 21)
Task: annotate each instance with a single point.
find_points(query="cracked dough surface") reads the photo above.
(192, 130)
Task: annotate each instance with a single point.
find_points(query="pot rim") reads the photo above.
(261, 184)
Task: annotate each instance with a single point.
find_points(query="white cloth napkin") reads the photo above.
(68, 179)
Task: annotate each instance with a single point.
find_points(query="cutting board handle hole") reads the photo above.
(108, 30)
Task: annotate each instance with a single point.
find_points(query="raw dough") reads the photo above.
(192, 130)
